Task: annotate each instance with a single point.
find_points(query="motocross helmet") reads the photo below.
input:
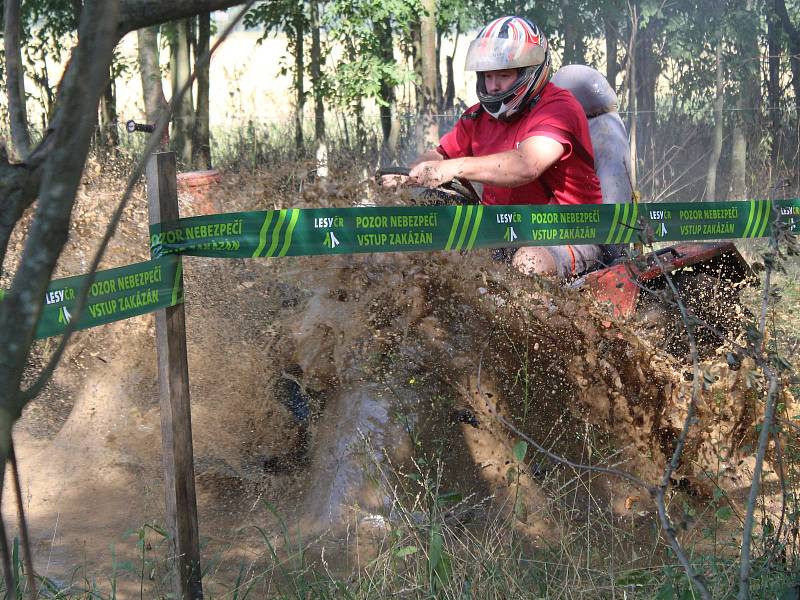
(510, 43)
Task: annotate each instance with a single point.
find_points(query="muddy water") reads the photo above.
(353, 441)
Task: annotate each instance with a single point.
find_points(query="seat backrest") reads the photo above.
(609, 137)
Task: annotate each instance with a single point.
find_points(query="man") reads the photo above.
(527, 140)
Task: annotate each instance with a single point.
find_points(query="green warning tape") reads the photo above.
(307, 232)
(132, 290)
(115, 294)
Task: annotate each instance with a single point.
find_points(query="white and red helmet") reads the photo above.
(510, 43)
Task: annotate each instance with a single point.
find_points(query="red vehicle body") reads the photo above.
(623, 284)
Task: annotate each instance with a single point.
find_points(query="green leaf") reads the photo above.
(443, 570)
(449, 498)
(667, 592)
(436, 544)
(438, 561)
(520, 449)
(520, 510)
(405, 551)
(634, 578)
(15, 561)
(512, 475)
(724, 513)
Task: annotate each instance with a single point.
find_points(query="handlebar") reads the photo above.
(462, 187)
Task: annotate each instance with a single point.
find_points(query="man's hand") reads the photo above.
(433, 173)
(393, 181)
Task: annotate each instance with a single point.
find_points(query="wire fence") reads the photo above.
(673, 146)
(673, 152)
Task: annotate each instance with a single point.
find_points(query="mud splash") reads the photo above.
(308, 374)
(555, 362)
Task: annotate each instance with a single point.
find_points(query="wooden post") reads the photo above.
(176, 416)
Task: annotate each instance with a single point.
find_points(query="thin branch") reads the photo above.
(674, 153)
(762, 321)
(784, 502)
(763, 440)
(672, 465)
(8, 572)
(23, 525)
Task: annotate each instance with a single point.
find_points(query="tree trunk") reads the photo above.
(345, 128)
(387, 94)
(15, 83)
(579, 49)
(41, 78)
(299, 72)
(191, 39)
(793, 33)
(612, 39)
(387, 153)
(361, 132)
(416, 58)
(738, 188)
(716, 151)
(450, 89)
(752, 79)
(774, 49)
(429, 129)
(155, 104)
(747, 104)
(632, 84)
(569, 33)
(321, 146)
(647, 71)
(77, 8)
(201, 136)
(437, 61)
(109, 136)
(182, 120)
(574, 44)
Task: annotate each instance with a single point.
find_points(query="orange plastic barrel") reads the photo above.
(199, 189)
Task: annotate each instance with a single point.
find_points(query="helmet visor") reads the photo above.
(494, 54)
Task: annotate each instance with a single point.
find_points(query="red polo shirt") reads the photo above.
(557, 115)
